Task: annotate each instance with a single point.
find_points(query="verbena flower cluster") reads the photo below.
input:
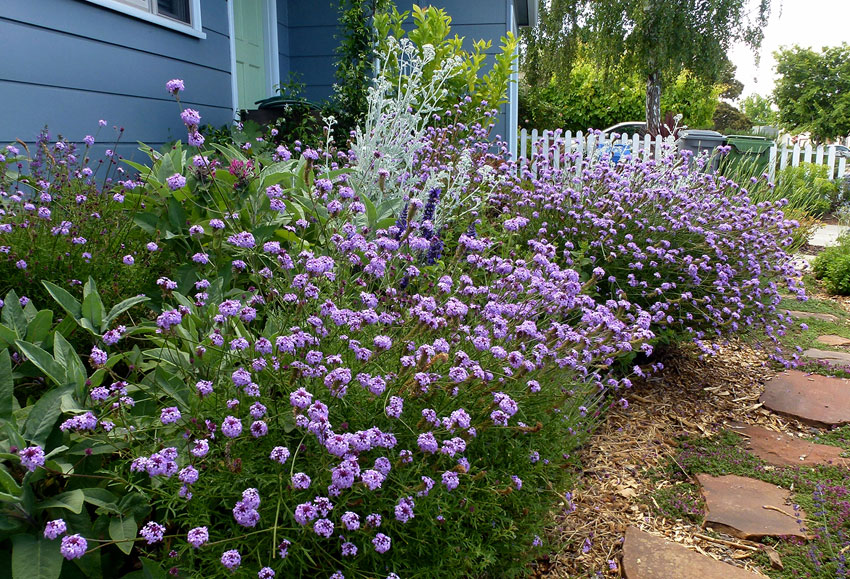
(680, 241)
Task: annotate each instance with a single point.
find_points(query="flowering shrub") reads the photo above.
(64, 217)
(688, 246)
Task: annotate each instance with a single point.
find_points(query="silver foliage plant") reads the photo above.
(395, 131)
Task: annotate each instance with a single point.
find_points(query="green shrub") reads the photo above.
(832, 265)
(806, 187)
(64, 217)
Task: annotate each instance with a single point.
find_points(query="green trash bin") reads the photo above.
(749, 156)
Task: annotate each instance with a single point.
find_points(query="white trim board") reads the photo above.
(272, 57)
(196, 28)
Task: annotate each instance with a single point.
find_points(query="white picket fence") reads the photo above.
(562, 146)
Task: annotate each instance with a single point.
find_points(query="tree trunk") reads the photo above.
(653, 103)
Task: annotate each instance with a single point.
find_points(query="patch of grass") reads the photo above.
(680, 501)
(823, 492)
(813, 305)
(839, 436)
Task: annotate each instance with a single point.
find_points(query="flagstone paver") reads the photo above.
(842, 358)
(648, 557)
(813, 399)
(834, 340)
(781, 449)
(813, 316)
(748, 508)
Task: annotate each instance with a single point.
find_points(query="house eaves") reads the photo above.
(526, 13)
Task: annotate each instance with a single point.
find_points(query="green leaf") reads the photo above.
(371, 212)
(9, 485)
(43, 415)
(39, 326)
(35, 558)
(68, 302)
(7, 336)
(123, 529)
(43, 361)
(71, 500)
(13, 315)
(101, 498)
(122, 307)
(75, 372)
(93, 308)
(147, 222)
(7, 386)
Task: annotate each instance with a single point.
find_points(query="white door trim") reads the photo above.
(272, 57)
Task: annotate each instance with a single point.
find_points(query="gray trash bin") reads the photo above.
(700, 141)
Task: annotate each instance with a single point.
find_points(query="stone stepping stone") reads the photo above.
(813, 399)
(646, 556)
(782, 449)
(812, 316)
(840, 358)
(834, 341)
(736, 505)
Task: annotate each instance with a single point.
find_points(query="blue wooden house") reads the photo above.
(69, 63)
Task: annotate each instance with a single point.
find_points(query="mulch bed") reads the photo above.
(689, 397)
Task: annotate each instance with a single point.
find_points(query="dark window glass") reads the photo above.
(176, 9)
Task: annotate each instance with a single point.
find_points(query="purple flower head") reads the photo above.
(231, 559)
(176, 181)
(169, 415)
(191, 118)
(174, 86)
(32, 457)
(351, 520)
(382, 543)
(54, 529)
(279, 454)
(73, 547)
(152, 532)
(323, 528)
(231, 427)
(404, 509)
(198, 536)
(451, 480)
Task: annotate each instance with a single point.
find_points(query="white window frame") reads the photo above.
(141, 9)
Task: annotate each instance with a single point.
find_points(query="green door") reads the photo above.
(249, 27)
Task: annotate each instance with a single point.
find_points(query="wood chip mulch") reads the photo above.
(689, 397)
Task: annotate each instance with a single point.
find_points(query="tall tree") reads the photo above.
(758, 109)
(813, 90)
(655, 38)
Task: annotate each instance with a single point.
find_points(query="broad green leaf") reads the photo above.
(147, 222)
(75, 372)
(143, 169)
(122, 307)
(43, 361)
(13, 315)
(7, 386)
(7, 336)
(71, 500)
(93, 308)
(101, 498)
(9, 485)
(123, 529)
(35, 558)
(68, 302)
(43, 415)
(371, 212)
(39, 326)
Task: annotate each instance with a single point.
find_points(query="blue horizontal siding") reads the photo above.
(83, 63)
(465, 12)
(71, 63)
(92, 21)
(75, 113)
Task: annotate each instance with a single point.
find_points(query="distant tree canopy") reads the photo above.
(728, 119)
(813, 90)
(757, 108)
(655, 39)
(584, 98)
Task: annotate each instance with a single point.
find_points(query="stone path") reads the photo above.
(827, 235)
(744, 507)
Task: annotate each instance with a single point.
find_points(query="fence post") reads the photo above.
(533, 151)
(783, 161)
(830, 162)
(807, 158)
(523, 137)
(819, 157)
(771, 167)
(795, 156)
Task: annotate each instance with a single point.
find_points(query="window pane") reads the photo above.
(177, 9)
